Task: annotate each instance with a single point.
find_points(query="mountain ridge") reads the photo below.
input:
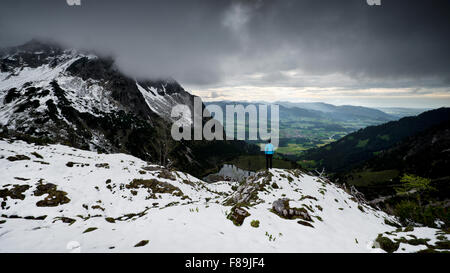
(360, 145)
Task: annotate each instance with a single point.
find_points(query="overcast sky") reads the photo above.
(343, 52)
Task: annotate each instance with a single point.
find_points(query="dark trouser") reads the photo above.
(269, 161)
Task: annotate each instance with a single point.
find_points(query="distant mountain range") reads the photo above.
(321, 110)
(308, 125)
(341, 113)
(403, 112)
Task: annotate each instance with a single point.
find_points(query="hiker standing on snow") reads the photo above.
(269, 154)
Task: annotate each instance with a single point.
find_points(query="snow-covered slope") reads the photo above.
(161, 102)
(60, 199)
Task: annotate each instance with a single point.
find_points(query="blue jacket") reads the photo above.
(269, 149)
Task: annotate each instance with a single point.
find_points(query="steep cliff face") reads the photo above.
(51, 94)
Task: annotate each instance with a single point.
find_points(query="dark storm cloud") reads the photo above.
(400, 39)
(184, 39)
(208, 43)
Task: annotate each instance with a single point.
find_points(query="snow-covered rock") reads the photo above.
(57, 198)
